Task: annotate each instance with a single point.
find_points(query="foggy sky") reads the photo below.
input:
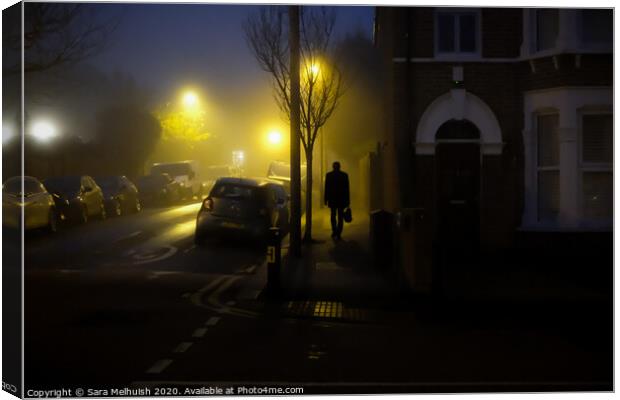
(167, 46)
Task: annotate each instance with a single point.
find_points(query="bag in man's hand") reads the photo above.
(348, 217)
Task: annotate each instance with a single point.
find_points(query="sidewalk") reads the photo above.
(336, 280)
(336, 270)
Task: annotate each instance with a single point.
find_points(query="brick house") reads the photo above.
(498, 128)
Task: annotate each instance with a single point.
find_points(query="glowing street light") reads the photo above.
(43, 131)
(315, 69)
(274, 137)
(190, 99)
(238, 158)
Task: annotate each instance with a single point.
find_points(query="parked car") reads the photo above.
(120, 195)
(243, 207)
(37, 203)
(158, 189)
(186, 173)
(77, 197)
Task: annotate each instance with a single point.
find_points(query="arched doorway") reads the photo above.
(457, 158)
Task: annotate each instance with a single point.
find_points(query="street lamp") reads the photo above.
(190, 99)
(43, 131)
(274, 137)
(315, 69)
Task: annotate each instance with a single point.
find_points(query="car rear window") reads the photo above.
(228, 190)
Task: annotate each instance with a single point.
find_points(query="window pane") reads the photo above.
(597, 141)
(546, 28)
(548, 140)
(597, 26)
(467, 28)
(548, 195)
(445, 30)
(597, 194)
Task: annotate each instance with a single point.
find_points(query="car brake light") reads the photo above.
(208, 204)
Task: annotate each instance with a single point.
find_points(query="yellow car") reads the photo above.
(37, 204)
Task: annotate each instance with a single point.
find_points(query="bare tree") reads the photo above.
(321, 80)
(54, 34)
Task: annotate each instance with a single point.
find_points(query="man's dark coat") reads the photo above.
(337, 189)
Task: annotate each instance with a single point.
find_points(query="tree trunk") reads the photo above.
(295, 134)
(308, 229)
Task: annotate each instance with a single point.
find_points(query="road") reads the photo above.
(104, 300)
(130, 302)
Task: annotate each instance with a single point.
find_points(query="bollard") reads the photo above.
(274, 260)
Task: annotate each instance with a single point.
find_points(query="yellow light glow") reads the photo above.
(274, 137)
(315, 69)
(43, 131)
(190, 99)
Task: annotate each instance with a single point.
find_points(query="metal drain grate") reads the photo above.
(326, 310)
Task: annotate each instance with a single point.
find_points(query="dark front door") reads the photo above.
(458, 192)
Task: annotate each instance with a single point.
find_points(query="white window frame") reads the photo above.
(538, 168)
(458, 55)
(585, 167)
(569, 102)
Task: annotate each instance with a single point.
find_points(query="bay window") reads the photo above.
(597, 166)
(548, 167)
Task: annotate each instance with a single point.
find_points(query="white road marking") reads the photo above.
(159, 366)
(250, 269)
(192, 247)
(200, 332)
(182, 347)
(212, 321)
(197, 297)
(147, 258)
(134, 234)
(212, 302)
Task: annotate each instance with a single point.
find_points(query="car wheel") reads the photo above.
(52, 225)
(118, 209)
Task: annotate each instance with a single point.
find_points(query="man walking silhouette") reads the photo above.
(337, 197)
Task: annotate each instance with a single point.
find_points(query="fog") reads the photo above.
(120, 111)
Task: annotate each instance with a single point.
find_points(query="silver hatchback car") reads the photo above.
(243, 207)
